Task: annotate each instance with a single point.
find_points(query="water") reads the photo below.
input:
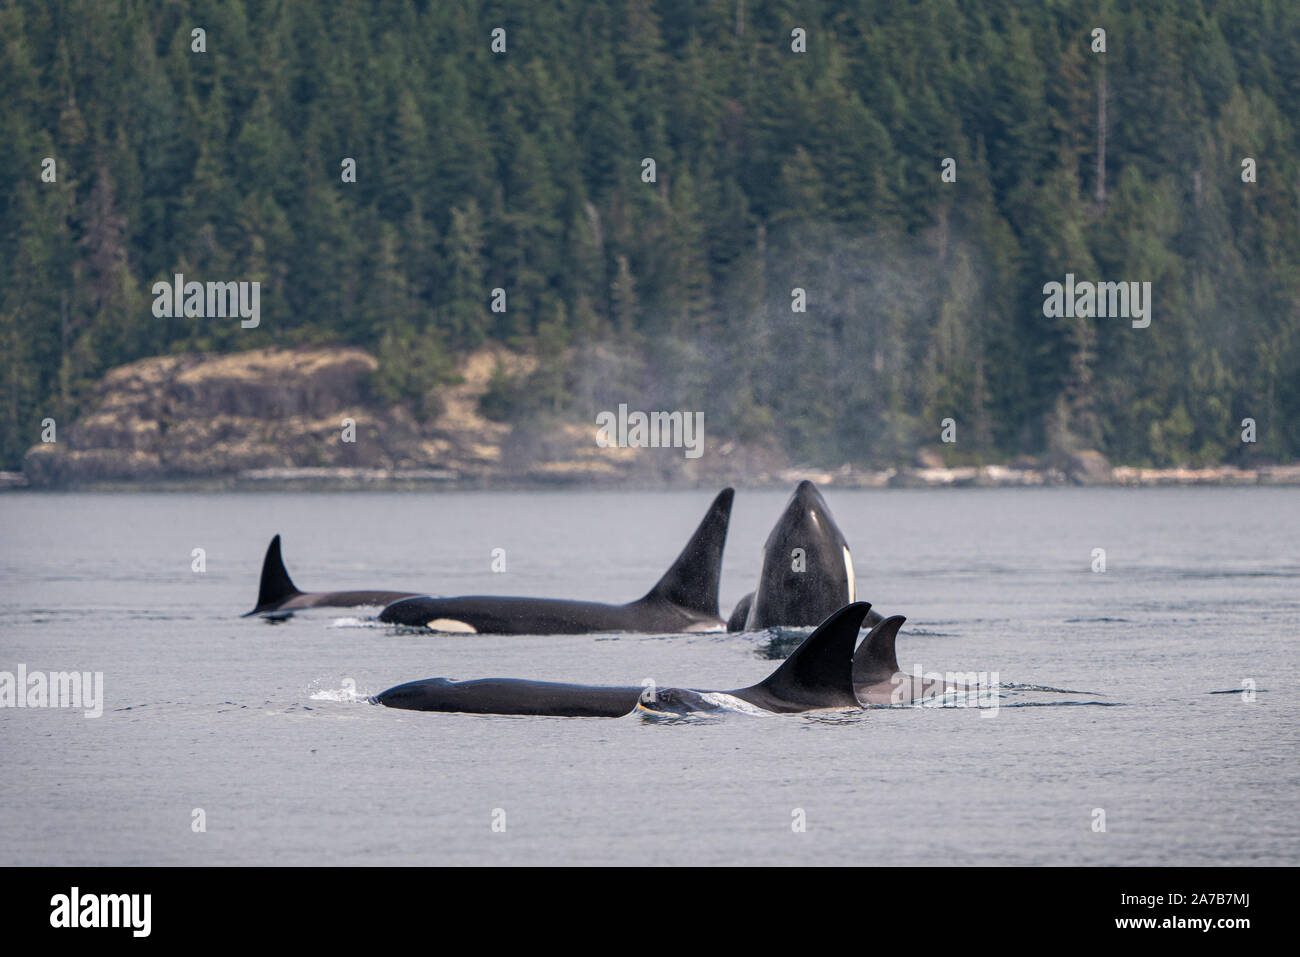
(256, 724)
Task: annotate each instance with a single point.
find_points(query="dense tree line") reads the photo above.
(775, 170)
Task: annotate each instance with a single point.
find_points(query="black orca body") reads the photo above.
(818, 676)
(807, 569)
(684, 600)
(277, 596)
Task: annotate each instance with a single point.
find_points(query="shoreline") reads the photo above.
(347, 479)
(307, 419)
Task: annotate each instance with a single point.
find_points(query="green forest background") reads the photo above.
(775, 170)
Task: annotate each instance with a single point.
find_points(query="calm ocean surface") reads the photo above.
(256, 724)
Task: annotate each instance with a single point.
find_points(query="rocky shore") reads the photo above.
(311, 419)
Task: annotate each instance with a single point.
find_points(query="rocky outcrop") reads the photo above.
(1084, 467)
(199, 416)
(254, 414)
(309, 417)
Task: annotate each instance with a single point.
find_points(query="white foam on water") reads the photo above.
(356, 623)
(344, 695)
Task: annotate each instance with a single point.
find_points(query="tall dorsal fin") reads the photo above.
(819, 673)
(276, 585)
(692, 581)
(875, 659)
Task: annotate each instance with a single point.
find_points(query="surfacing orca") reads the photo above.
(807, 569)
(685, 599)
(877, 679)
(277, 593)
(817, 676)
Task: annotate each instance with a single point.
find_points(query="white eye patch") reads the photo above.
(452, 626)
(848, 570)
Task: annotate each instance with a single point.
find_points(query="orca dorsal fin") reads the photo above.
(276, 585)
(819, 673)
(875, 659)
(740, 614)
(692, 581)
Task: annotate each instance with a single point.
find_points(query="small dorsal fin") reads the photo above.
(276, 585)
(740, 613)
(819, 673)
(692, 581)
(875, 659)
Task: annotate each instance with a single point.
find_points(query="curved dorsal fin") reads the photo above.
(819, 673)
(276, 585)
(692, 581)
(740, 613)
(875, 659)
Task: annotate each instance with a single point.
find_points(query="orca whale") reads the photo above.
(877, 679)
(277, 595)
(806, 571)
(817, 676)
(684, 600)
